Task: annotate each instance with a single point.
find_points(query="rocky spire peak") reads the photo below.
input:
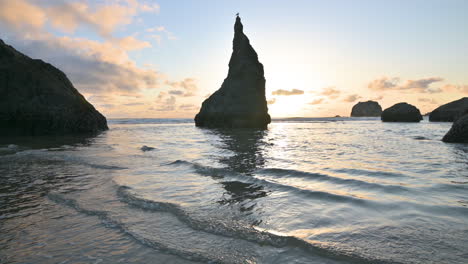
(238, 27)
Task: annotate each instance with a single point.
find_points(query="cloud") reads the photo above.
(131, 43)
(66, 16)
(185, 88)
(107, 105)
(422, 85)
(317, 101)
(463, 88)
(150, 8)
(419, 85)
(271, 101)
(378, 98)
(352, 98)
(162, 30)
(282, 92)
(176, 92)
(455, 88)
(383, 83)
(330, 91)
(154, 29)
(171, 100)
(22, 15)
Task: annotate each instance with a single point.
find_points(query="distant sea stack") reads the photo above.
(459, 131)
(449, 112)
(369, 108)
(240, 102)
(401, 112)
(38, 99)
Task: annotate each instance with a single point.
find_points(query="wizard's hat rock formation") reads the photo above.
(240, 102)
(38, 99)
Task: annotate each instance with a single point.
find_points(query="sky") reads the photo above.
(161, 59)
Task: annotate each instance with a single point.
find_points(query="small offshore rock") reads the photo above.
(366, 109)
(146, 148)
(420, 138)
(401, 112)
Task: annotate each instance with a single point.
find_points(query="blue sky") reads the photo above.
(414, 51)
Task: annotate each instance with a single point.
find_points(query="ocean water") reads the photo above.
(337, 190)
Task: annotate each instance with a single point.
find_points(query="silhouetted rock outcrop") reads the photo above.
(36, 99)
(449, 112)
(369, 108)
(459, 131)
(146, 148)
(401, 112)
(240, 102)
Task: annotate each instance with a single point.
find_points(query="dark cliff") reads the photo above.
(38, 99)
(449, 112)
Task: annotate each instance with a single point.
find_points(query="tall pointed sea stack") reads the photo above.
(240, 102)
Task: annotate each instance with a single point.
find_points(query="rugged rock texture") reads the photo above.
(459, 131)
(369, 108)
(38, 99)
(449, 112)
(240, 102)
(401, 112)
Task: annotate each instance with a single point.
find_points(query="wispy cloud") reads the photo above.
(156, 29)
(419, 85)
(131, 43)
(331, 92)
(352, 98)
(317, 101)
(383, 83)
(282, 92)
(455, 88)
(161, 30)
(134, 104)
(188, 107)
(422, 85)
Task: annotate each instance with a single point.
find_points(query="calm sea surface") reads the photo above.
(337, 190)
